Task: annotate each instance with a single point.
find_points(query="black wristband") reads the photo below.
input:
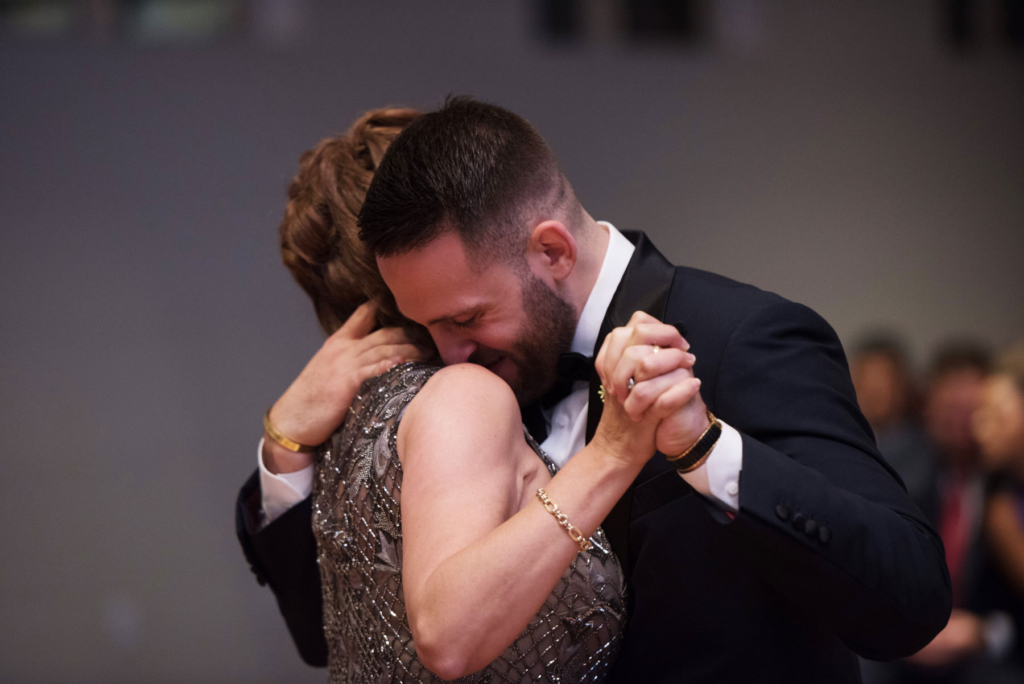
(690, 459)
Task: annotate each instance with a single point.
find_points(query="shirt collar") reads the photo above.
(616, 258)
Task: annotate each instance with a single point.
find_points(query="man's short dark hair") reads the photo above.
(470, 167)
(960, 355)
(882, 343)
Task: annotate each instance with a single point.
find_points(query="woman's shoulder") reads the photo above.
(469, 378)
(469, 387)
(405, 379)
(431, 390)
(467, 400)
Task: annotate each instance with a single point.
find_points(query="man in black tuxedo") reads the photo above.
(776, 548)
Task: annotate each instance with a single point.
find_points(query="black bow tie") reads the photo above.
(573, 367)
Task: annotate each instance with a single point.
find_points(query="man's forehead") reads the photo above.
(442, 262)
(439, 280)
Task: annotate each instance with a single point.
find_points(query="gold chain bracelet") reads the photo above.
(574, 533)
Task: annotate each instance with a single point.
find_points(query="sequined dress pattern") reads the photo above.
(358, 525)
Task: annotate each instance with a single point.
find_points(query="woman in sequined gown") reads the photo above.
(437, 559)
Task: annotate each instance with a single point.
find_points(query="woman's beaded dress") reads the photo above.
(358, 524)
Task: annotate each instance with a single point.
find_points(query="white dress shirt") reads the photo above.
(717, 479)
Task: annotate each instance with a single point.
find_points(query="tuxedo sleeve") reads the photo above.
(283, 555)
(823, 518)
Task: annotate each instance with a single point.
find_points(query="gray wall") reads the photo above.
(845, 159)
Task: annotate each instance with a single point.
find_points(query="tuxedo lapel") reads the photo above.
(644, 287)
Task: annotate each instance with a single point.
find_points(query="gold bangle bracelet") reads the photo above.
(275, 435)
(574, 533)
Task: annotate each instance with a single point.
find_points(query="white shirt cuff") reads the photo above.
(281, 492)
(719, 477)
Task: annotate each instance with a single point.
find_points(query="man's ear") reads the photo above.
(552, 251)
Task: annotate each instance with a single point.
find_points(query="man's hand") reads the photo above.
(655, 355)
(316, 402)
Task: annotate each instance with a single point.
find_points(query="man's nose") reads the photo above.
(456, 350)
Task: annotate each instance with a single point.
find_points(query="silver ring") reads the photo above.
(630, 384)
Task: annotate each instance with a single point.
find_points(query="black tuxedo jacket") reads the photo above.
(826, 557)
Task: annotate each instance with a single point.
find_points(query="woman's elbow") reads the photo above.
(440, 653)
(443, 662)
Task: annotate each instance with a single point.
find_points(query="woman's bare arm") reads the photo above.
(476, 568)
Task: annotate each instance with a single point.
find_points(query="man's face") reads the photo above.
(881, 391)
(951, 402)
(509, 322)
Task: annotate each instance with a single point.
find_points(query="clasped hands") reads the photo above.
(664, 392)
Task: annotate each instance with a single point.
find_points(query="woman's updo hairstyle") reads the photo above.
(320, 242)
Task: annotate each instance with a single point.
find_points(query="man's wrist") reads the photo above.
(698, 452)
(280, 491)
(278, 460)
(719, 477)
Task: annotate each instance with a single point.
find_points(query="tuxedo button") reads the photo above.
(824, 534)
(798, 521)
(810, 527)
(783, 512)
(733, 488)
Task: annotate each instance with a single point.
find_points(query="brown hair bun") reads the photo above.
(320, 242)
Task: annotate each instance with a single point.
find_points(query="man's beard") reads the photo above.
(547, 334)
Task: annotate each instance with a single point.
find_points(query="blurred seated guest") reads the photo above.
(888, 399)
(999, 429)
(973, 646)
(953, 393)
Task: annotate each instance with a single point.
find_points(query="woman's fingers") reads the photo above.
(624, 369)
(621, 340)
(643, 362)
(644, 395)
(601, 364)
(661, 334)
(659, 362)
(644, 325)
(643, 330)
(615, 344)
(640, 317)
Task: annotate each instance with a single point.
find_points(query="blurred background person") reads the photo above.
(973, 647)
(999, 430)
(889, 399)
(953, 393)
